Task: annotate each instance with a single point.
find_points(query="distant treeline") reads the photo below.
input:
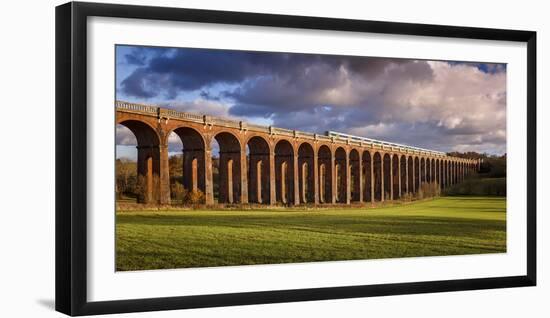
(490, 179)
(478, 186)
(126, 180)
(492, 166)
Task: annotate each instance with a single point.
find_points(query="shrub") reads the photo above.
(420, 193)
(178, 193)
(195, 197)
(407, 197)
(141, 189)
(427, 190)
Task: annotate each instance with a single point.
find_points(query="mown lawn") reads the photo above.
(177, 239)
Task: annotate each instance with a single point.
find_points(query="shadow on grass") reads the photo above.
(424, 225)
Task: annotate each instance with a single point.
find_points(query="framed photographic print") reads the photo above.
(208, 158)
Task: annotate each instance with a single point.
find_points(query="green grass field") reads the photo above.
(177, 239)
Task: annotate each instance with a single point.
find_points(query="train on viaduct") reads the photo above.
(276, 166)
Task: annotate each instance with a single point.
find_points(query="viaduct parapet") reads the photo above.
(280, 166)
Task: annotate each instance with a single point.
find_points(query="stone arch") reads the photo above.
(449, 174)
(442, 177)
(456, 171)
(403, 174)
(417, 174)
(148, 160)
(396, 177)
(229, 175)
(305, 173)
(354, 175)
(368, 188)
(446, 173)
(324, 158)
(378, 176)
(432, 174)
(259, 185)
(410, 174)
(452, 171)
(194, 155)
(438, 172)
(284, 172)
(387, 188)
(428, 167)
(423, 173)
(341, 174)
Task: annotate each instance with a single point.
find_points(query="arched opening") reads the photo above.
(448, 168)
(410, 175)
(453, 173)
(437, 172)
(404, 176)
(457, 174)
(446, 172)
(284, 172)
(378, 176)
(229, 168)
(258, 171)
(433, 174)
(187, 165)
(422, 171)
(442, 174)
(175, 169)
(355, 178)
(340, 164)
(145, 183)
(325, 174)
(428, 170)
(305, 173)
(387, 177)
(417, 174)
(396, 177)
(367, 177)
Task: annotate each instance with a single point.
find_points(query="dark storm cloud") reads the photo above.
(193, 69)
(292, 74)
(135, 59)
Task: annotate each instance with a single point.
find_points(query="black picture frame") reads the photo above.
(71, 157)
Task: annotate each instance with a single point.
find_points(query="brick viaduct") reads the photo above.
(281, 166)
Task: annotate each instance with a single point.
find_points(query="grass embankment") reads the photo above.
(177, 239)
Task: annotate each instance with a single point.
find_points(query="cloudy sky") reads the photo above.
(439, 105)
